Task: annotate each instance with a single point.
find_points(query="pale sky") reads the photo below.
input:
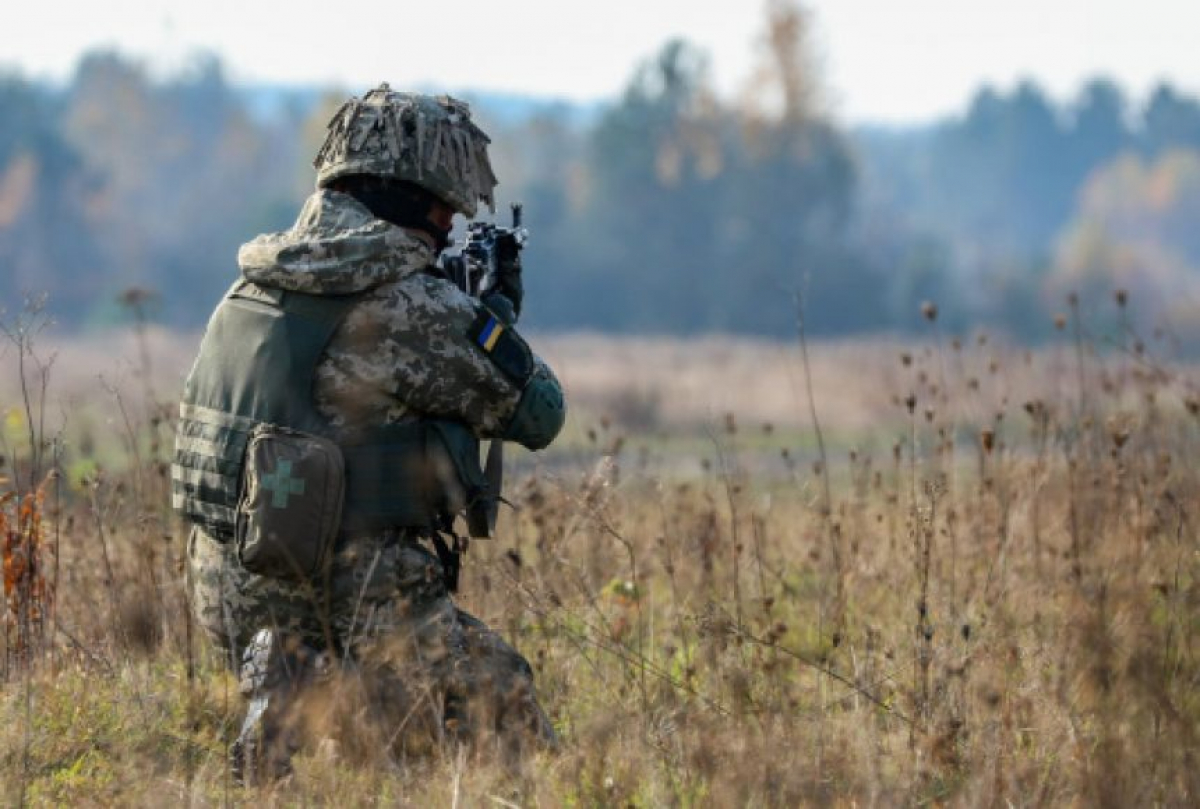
(882, 60)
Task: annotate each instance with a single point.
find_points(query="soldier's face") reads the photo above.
(442, 216)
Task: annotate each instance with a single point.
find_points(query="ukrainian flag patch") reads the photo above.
(503, 345)
(489, 335)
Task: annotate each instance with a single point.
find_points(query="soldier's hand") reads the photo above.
(508, 271)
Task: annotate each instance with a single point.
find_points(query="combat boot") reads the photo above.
(274, 671)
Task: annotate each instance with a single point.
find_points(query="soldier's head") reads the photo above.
(412, 159)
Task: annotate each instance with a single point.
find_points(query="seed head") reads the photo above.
(1119, 429)
(987, 439)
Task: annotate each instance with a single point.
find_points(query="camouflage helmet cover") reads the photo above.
(427, 140)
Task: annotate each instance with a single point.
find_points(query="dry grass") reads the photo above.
(987, 594)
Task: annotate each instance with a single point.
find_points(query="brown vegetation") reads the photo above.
(982, 588)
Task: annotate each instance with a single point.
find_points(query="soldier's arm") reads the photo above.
(467, 364)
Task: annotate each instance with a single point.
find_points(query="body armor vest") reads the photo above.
(256, 366)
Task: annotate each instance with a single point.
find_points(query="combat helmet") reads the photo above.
(427, 140)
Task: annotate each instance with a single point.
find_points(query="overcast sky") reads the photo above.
(883, 60)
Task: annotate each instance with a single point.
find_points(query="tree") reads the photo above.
(654, 161)
(1100, 131)
(703, 215)
(1135, 231)
(1001, 176)
(1170, 120)
(45, 194)
(187, 176)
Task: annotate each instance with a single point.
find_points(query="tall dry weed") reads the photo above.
(983, 590)
(27, 557)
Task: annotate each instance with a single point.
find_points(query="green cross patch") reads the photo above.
(282, 485)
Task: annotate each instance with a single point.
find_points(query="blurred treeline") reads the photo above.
(669, 209)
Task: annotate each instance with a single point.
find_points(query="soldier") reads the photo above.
(329, 435)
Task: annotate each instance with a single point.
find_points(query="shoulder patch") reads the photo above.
(502, 344)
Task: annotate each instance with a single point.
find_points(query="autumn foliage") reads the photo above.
(27, 555)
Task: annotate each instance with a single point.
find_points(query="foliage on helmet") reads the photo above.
(427, 140)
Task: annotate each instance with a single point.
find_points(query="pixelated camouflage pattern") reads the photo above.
(389, 609)
(403, 350)
(375, 586)
(335, 247)
(430, 141)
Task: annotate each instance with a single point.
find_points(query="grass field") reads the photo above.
(973, 579)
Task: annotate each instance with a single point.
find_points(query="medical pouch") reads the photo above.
(290, 509)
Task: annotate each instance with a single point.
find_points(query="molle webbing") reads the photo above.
(206, 476)
(256, 365)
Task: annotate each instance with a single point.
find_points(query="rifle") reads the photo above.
(476, 272)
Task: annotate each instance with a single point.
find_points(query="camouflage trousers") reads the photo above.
(412, 666)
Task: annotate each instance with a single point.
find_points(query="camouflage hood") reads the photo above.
(336, 247)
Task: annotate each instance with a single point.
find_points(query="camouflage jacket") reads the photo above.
(404, 350)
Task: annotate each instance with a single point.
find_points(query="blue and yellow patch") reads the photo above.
(489, 335)
(503, 345)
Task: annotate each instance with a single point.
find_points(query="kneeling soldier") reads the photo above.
(329, 435)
